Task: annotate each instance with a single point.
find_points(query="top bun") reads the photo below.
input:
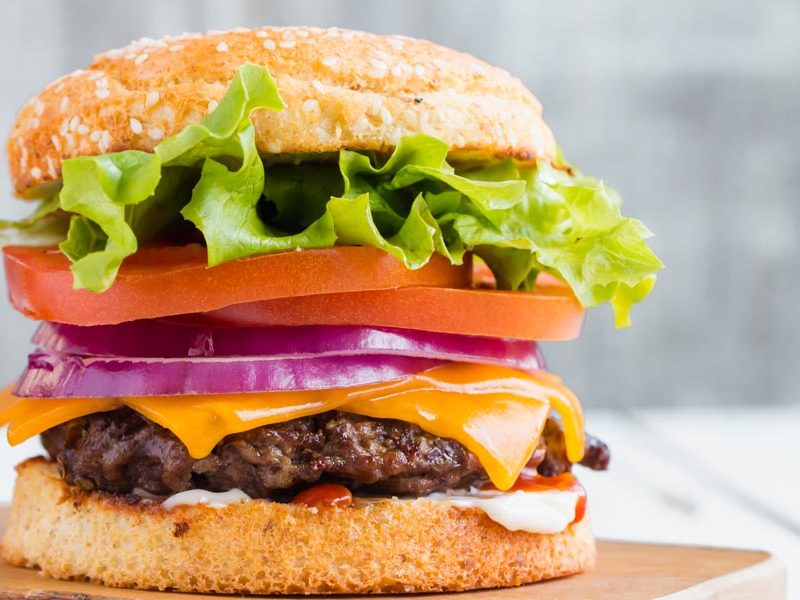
(343, 89)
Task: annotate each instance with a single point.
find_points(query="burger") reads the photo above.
(291, 283)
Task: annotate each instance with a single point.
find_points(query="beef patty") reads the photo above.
(120, 451)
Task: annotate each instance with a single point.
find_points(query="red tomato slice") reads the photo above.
(159, 282)
(550, 312)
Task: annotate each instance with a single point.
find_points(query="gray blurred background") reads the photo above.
(690, 109)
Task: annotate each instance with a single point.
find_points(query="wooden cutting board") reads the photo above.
(624, 571)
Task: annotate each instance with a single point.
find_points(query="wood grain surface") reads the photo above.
(624, 571)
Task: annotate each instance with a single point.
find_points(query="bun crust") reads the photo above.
(343, 89)
(266, 548)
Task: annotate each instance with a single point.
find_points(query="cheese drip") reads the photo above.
(497, 413)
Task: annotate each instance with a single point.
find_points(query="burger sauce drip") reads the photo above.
(530, 481)
(326, 495)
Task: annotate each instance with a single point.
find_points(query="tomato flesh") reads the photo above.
(159, 282)
(344, 285)
(550, 312)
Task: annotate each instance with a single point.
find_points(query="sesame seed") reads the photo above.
(477, 68)
(56, 142)
(38, 107)
(323, 133)
(381, 54)
(386, 116)
(395, 43)
(64, 104)
(94, 75)
(378, 69)
(288, 34)
(317, 85)
(141, 58)
(310, 105)
(222, 47)
(102, 93)
(155, 133)
(212, 105)
(419, 70)
(176, 48)
(102, 82)
(105, 142)
(287, 44)
(302, 33)
(152, 98)
(269, 44)
(83, 129)
(261, 34)
(36, 172)
(33, 123)
(51, 168)
(70, 139)
(329, 61)
(274, 146)
(361, 125)
(74, 122)
(136, 126)
(96, 135)
(401, 69)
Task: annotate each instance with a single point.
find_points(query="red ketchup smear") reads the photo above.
(566, 482)
(328, 495)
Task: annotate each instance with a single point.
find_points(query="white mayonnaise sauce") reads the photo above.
(534, 512)
(212, 499)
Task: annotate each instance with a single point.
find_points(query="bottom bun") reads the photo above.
(270, 548)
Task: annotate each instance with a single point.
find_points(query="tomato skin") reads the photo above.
(325, 495)
(548, 313)
(344, 285)
(159, 282)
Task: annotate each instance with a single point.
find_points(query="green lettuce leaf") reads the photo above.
(46, 208)
(123, 199)
(224, 207)
(45, 226)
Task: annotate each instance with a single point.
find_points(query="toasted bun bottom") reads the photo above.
(268, 548)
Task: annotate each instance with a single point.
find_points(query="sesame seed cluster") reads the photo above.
(343, 89)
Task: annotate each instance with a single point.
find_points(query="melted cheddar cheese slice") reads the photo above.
(497, 413)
